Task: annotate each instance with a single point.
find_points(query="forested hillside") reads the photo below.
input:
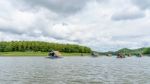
(36, 46)
(131, 51)
(126, 51)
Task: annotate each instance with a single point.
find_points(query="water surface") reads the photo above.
(74, 70)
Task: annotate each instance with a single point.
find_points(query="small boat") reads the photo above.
(120, 55)
(94, 55)
(54, 57)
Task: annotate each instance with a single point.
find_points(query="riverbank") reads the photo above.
(39, 54)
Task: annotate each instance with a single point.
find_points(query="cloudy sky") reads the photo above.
(103, 25)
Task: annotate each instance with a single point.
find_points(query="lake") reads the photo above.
(74, 70)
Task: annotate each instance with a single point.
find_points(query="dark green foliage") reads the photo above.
(36, 46)
(146, 51)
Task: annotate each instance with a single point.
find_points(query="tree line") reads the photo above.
(146, 50)
(35, 46)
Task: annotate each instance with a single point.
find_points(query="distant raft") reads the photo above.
(93, 54)
(120, 55)
(54, 57)
(54, 54)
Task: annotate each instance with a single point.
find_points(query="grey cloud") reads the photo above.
(10, 30)
(101, 1)
(28, 33)
(59, 6)
(143, 4)
(127, 16)
(15, 31)
(127, 37)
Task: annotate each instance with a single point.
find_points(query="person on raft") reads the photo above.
(51, 53)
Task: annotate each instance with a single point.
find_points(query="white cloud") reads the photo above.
(100, 24)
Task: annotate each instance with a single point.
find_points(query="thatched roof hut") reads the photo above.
(57, 53)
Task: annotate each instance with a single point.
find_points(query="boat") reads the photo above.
(120, 55)
(94, 55)
(54, 55)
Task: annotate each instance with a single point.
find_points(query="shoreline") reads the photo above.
(37, 54)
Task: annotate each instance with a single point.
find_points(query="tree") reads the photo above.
(146, 51)
(41, 46)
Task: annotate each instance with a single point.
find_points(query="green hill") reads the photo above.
(134, 51)
(126, 51)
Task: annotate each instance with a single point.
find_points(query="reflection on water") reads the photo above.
(74, 70)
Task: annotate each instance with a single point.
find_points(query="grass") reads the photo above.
(38, 54)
